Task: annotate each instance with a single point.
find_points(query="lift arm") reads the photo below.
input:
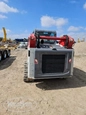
(65, 41)
(5, 37)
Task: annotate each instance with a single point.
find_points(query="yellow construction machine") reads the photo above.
(8, 42)
(5, 35)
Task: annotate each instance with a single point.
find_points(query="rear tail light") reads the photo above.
(36, 61)
(70, 60)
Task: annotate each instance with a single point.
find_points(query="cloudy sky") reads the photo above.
(21, 17)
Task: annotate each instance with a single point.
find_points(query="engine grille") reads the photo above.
(53, 63)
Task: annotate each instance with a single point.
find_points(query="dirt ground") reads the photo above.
(43, 97)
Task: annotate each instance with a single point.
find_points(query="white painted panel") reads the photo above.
(31, 63)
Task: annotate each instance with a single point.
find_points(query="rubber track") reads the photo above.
(25, 72)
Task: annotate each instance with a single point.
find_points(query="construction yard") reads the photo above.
(42, 97)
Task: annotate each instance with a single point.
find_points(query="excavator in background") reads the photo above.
(6, 46)
(5, 40)
(4, 50)
(5, 35)
(8, 42)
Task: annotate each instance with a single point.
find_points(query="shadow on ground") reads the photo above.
(7, 62)
(78, 80)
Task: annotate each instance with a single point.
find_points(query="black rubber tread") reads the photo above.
(1, 55)
(26, 79)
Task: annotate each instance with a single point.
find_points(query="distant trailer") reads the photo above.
(4, 53)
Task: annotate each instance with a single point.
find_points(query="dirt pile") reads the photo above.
(80, 56)
(80, 48)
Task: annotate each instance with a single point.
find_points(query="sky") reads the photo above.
(21, 17)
